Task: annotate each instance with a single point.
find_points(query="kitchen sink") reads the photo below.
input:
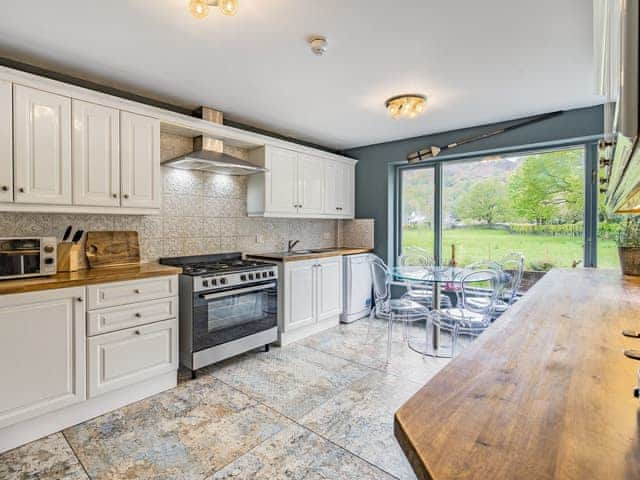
(310, 251)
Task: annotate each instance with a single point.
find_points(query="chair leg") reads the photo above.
(372, 317)
(454, 339)
(389, 336)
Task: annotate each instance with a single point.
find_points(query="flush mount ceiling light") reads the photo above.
(407, 106)
(200, 8)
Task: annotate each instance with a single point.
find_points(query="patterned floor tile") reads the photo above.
(297, 453)
(185, 433)
(360, 420)
(292, 380)
(365, 342)
(49, 458)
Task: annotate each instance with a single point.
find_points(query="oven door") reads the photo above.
(224, 316)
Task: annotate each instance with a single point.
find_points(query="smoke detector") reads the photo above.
(319, 45)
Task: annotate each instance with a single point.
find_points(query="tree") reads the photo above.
(486, 201)
(549, 186)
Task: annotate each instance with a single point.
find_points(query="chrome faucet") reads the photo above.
(291, 245)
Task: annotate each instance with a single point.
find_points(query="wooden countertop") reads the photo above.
(544, 393)
(87, 277)
(285, 257)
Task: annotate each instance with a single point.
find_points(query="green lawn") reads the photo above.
(473, 244)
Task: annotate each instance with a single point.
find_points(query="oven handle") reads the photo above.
(229, 293)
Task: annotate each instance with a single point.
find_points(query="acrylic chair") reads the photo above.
(476, 305)
(417, 291)
(401, 309)
(512, 270)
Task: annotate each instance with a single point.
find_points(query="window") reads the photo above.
(532, 203)
(417, 208)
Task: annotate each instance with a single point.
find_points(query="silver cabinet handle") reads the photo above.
(137, 291)
(138, 315)
(115, 195)
(79, 300)
(137, 332)
(21, 190)
(126, 196)
(259, 288)
(5, 188)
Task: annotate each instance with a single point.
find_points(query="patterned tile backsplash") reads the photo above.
(201, 213)
(356, 233)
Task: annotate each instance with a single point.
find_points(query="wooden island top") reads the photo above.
(90, 276)
(544, 393)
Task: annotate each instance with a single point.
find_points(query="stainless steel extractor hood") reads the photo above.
(208, 153)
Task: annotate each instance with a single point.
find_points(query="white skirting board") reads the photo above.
(24, 432)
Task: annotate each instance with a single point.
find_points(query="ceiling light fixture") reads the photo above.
(407, 106)
(200, 8)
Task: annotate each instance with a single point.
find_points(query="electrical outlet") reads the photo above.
(259, 238)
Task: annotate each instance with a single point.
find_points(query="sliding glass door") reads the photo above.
(533, 203)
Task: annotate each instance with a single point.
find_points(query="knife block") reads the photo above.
(71, 257)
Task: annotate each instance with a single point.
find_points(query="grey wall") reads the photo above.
(374, 172)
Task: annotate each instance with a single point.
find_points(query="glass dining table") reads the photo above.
(437, 277)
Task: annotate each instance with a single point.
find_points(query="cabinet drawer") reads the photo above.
(123, 293)
(132, 315)
(130, 356)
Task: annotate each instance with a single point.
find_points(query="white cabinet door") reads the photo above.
(42, 352)
(328, 288)
(6, 143)
(42, 146)
(140, 161)
(310, 184)
(95, 153)
(131, 356)
(331, 188)
(281, 181)
(347, 190)
(299, 294)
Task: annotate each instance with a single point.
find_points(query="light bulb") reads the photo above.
(199, 8)
(229, 7)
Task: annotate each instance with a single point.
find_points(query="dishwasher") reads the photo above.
(358, 287)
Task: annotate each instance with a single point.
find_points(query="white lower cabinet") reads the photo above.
(312, 297)
(122, 358)
(42, 353)
(65, 359)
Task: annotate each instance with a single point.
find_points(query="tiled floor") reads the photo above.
(319, 409)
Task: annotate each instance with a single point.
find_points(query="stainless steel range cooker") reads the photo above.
(228, 306)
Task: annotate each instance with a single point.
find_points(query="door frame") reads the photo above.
(590, 217)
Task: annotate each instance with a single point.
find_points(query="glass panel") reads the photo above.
(221, 320)
(533, 204)
(608, 225)
(417, 209)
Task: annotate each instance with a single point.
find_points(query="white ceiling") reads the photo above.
(478, 61)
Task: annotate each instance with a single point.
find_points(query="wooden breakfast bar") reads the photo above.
(545, 393)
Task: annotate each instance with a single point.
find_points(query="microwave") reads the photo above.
(23, 257)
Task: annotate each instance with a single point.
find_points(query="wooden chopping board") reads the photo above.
(111, 248)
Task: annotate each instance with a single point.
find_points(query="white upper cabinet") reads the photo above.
(42, 147)
(140, 161)
(282, 181)
(339, 180)
(6, 143)
(348, 190)
(299, 184)
(95, 154)
(310, 184)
